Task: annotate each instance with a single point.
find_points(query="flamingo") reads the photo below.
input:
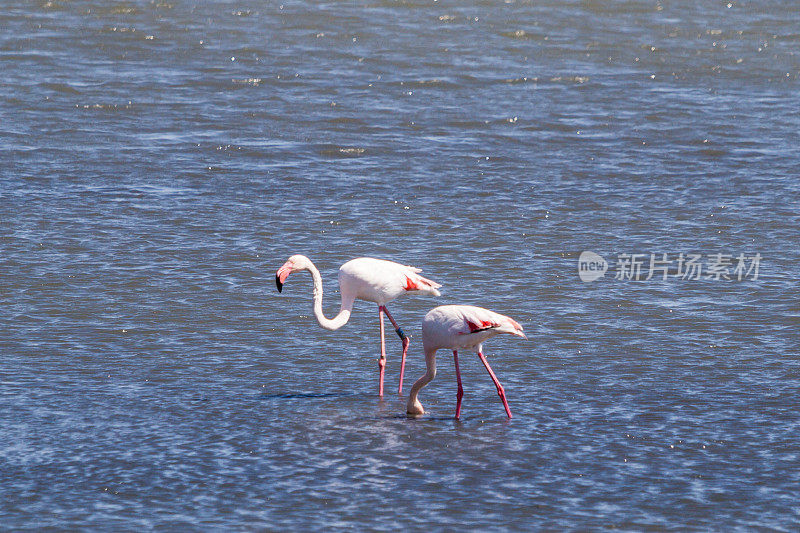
(454, 327)
(365, 278)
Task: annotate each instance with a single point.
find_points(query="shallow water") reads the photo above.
(161, 160)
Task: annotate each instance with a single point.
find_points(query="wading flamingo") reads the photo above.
(454, 327)
(365, 278)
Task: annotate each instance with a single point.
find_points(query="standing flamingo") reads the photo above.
(373, 280)
(454, 327)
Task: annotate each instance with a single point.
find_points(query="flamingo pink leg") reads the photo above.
(382, 360)
(406, 342)
(500, 390)
(460, 393)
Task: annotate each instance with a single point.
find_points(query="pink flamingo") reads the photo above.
(365, 278)
(454, 327)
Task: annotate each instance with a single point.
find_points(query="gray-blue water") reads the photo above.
(160, 160)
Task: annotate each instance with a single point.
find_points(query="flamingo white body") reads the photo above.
(457, 327)
(365, 278)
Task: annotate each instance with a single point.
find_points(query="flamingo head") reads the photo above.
(296, 263)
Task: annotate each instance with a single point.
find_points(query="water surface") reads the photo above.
(159, 161)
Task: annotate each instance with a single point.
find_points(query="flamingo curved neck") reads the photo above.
(414, 407)
(344, 313)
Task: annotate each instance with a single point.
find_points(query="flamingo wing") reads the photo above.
(478, 319)
(415, 282)
(381, 281)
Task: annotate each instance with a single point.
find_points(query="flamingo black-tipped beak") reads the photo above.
(281, 275)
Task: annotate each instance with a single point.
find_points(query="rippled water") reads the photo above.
(161, 160)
